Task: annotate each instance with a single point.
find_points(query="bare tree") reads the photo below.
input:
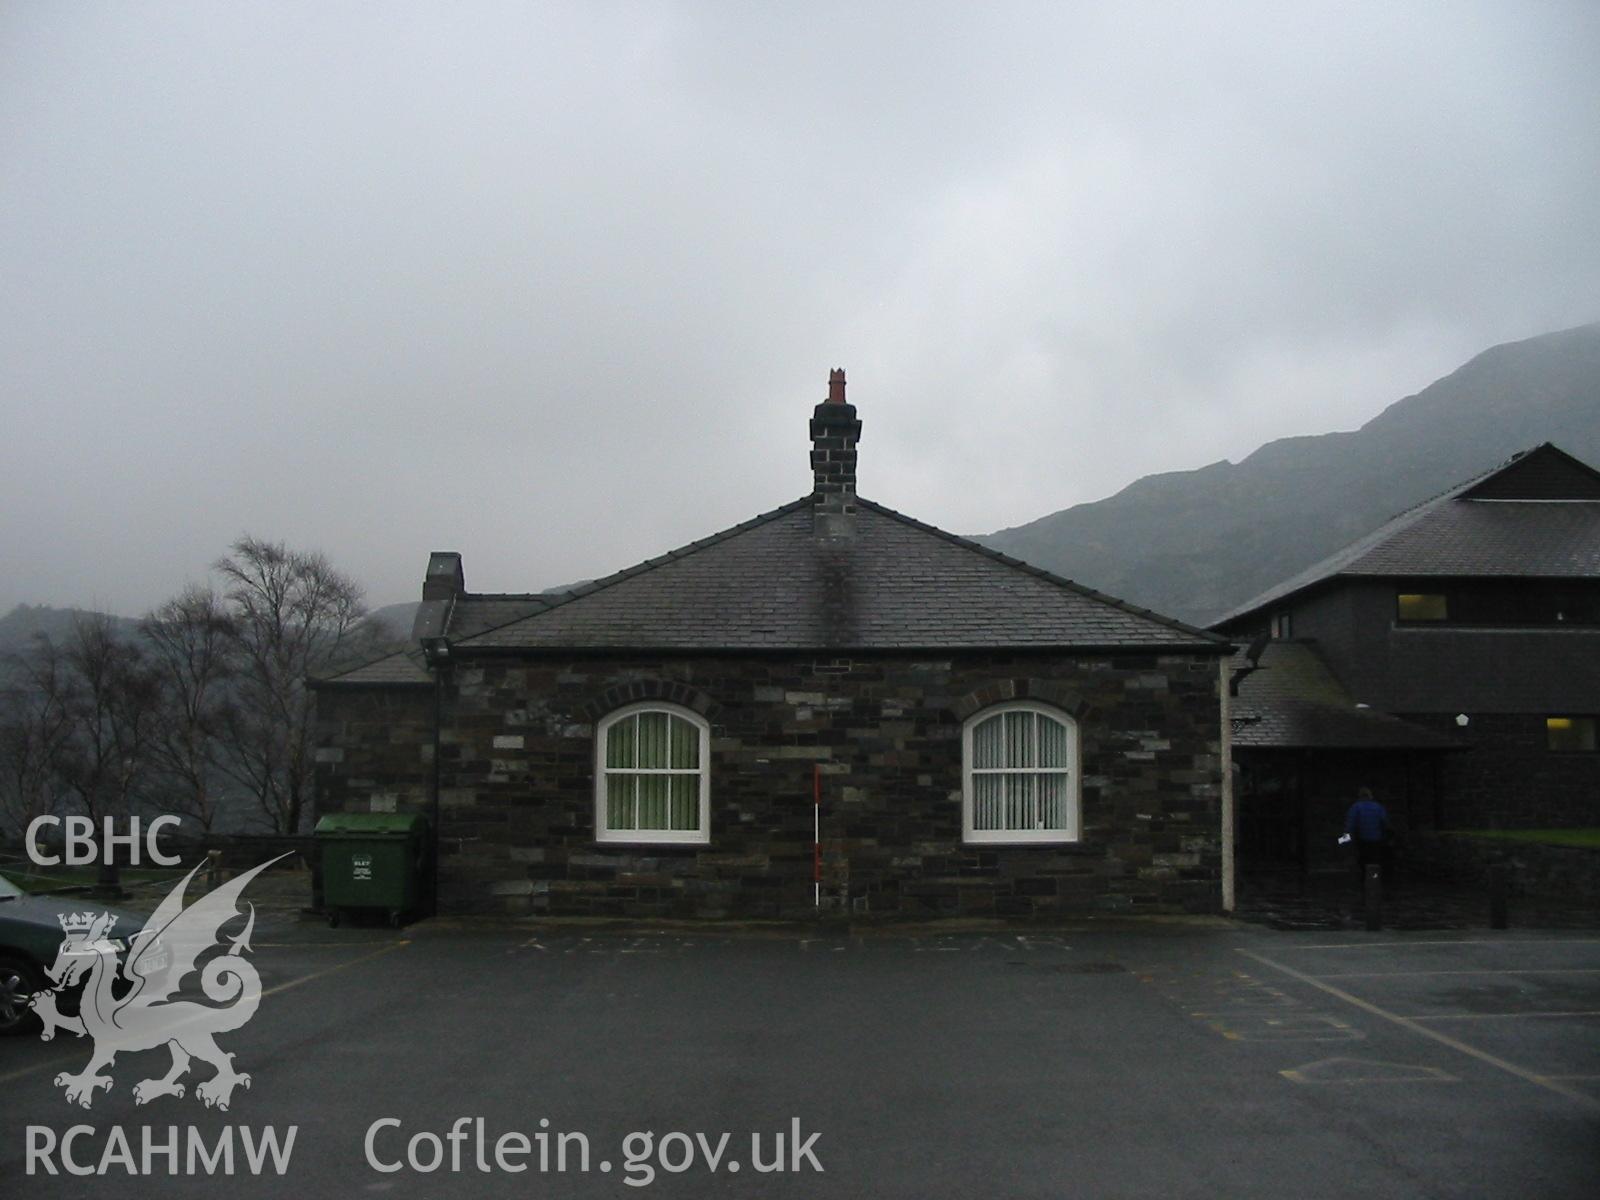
(34, 728)
(292, 614)
(111, 695)
(190, 640)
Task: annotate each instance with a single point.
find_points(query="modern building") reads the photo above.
(1450, 659)
(831, 705)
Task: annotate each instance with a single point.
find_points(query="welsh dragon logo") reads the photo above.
(137, 1008)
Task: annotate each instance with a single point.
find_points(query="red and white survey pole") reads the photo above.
(816, 834)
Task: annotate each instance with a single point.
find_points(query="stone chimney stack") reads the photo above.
(834, 434)
(445, 579)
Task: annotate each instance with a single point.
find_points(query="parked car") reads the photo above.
(30, 936)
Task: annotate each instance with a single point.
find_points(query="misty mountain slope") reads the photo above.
(23, 623)
(1194, 544)
(395, 619)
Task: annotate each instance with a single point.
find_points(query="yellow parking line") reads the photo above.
(1443, 1039)
(329, 970)
(1498, 1016)
(1407, 944)
(1496, 971)
(61, 1059)
(319, 946)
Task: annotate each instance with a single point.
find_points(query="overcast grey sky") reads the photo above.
(557, 286)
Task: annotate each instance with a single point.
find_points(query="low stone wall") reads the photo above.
(241, 851)
(1568, 872)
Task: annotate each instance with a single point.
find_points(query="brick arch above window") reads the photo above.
(662, 690)
(1003, 691)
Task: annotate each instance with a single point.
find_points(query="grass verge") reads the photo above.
(1587, 839)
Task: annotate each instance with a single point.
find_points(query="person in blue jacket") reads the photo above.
(1367, 823)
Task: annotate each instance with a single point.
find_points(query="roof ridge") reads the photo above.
(1486, 474)
(1355, 549)
(1447, 493)
(1041, 573)
(1571, 459)
(561, 599)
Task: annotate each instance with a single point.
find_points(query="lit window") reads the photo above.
(1423, 606)
(1570, 733)
(651, 776)
(1020, 776)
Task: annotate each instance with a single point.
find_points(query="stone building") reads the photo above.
(829, 706)
(1450, 659)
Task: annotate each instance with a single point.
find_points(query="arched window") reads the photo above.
(1020, 775)
(651, 775)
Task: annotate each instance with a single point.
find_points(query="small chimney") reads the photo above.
(834, 434)
(836, 386)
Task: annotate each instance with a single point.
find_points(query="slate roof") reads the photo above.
(399, 668)
(1293, 701)
(472, 614)
(771, 584)
(463, 615)
(1511, 521)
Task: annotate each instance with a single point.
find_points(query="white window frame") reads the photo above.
(680, 837)
(1074, 799)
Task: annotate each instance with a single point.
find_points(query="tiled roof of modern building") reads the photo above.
(1534, 516)
(1293, 701)
(772, 584)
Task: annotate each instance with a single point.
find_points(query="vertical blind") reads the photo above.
(1020, 772)
(653, 772)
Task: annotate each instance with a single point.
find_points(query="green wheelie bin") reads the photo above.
(374, 862)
